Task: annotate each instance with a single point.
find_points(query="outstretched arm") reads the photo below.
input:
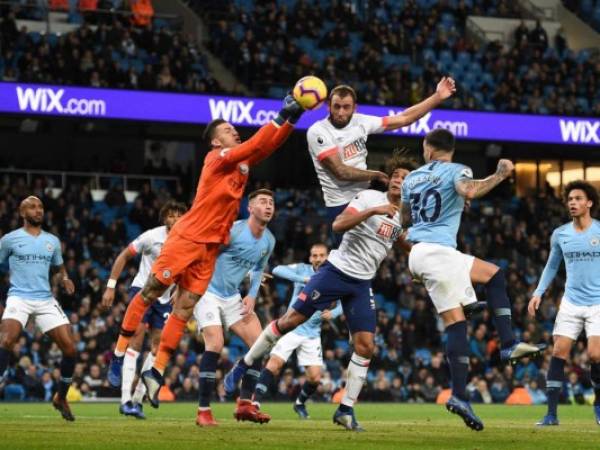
(351, 217)
(334, 165)
(469, 188)
(445, 88)
(290, 273)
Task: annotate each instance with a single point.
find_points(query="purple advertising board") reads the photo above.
(67, 101)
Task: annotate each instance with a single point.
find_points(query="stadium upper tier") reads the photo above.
(587, 10)
(395, 51)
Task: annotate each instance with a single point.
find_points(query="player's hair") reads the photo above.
(209, 132)
(169, 207)
(342, 90)
(590, 192)
(258, 192)
(401, 159)
(320, 244)
(440, 139)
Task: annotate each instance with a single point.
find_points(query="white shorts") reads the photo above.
(47, 313)
(308, 350)
(572, 319)
(446, 273)
(215, 310)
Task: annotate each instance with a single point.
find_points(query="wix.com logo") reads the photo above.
(49, 100)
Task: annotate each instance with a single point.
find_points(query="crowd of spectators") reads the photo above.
(113, 53)
(408, 365)
(394, 52)
(587, 10)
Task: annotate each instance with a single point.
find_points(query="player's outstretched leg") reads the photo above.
(233, 377)
(458, 360)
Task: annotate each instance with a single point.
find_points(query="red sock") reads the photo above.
(169, 340)
(133, 316)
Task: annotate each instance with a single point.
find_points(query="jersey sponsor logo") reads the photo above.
(356, 148)
(244, 169)
(389, 231)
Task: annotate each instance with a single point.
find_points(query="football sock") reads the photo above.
(497, 299)
(4, 357)
(249, 381)
(67, 367)
(208, 377)
(133, 316)
(140, 388)
(265, 342)
(307, 390)
(169, 340)
(264, 383)
(129, 366)
(457, 350)
(554, 383)
(595, 375)
(357, 374)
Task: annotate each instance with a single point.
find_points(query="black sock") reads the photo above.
(498, 301)
(208, 368)
(345, 408)
(265, 381)
(308, 389)
(67, 367)
(4, 358)
(554, 383)
(595, 375)
(249, 380)
(457, 350)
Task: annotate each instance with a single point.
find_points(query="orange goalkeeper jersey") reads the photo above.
(222, 183)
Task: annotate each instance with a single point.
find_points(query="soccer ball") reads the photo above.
(310, 92)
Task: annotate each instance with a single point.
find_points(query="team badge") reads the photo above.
(244, 169)
(49, 247)
(595, 241)
(263, 253)
(166, 274)
(210, 316)
(469, 292)
(315, 294)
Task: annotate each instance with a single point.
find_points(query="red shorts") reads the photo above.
(187, 263)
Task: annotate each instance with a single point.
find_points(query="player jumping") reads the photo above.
(250, 247)
(578, 243)
(30, 252)
(191, 249)
(338, 144)
(371, 223)
(148, 245)
(305, 340)
(433, 199)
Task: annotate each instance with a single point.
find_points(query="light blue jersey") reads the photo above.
(436, 206)
(29, 260)
(299, 274)
(244, 254)
(581, 253)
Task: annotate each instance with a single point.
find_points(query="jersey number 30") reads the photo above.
(420, 201)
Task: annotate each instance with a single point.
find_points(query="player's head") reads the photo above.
(581, 198)
(342, 105)
(171, 212)
(32, 211)
(261, 205)
(220, 134)
(397, 167)
(438, 141)
(318, 255)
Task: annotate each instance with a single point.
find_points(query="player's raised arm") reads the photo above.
(550, 270)
(445, 88)
(470, 188)
(290, 273)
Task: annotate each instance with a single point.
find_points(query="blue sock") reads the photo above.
(67, 367)
(308, 389)
(249, 380)
(554, 383)
(498, 301)
(264, 383)
(208, 369)
(4, 358)
(595, 375)
(457, 350)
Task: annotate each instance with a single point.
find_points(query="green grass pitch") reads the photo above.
(388, 426)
